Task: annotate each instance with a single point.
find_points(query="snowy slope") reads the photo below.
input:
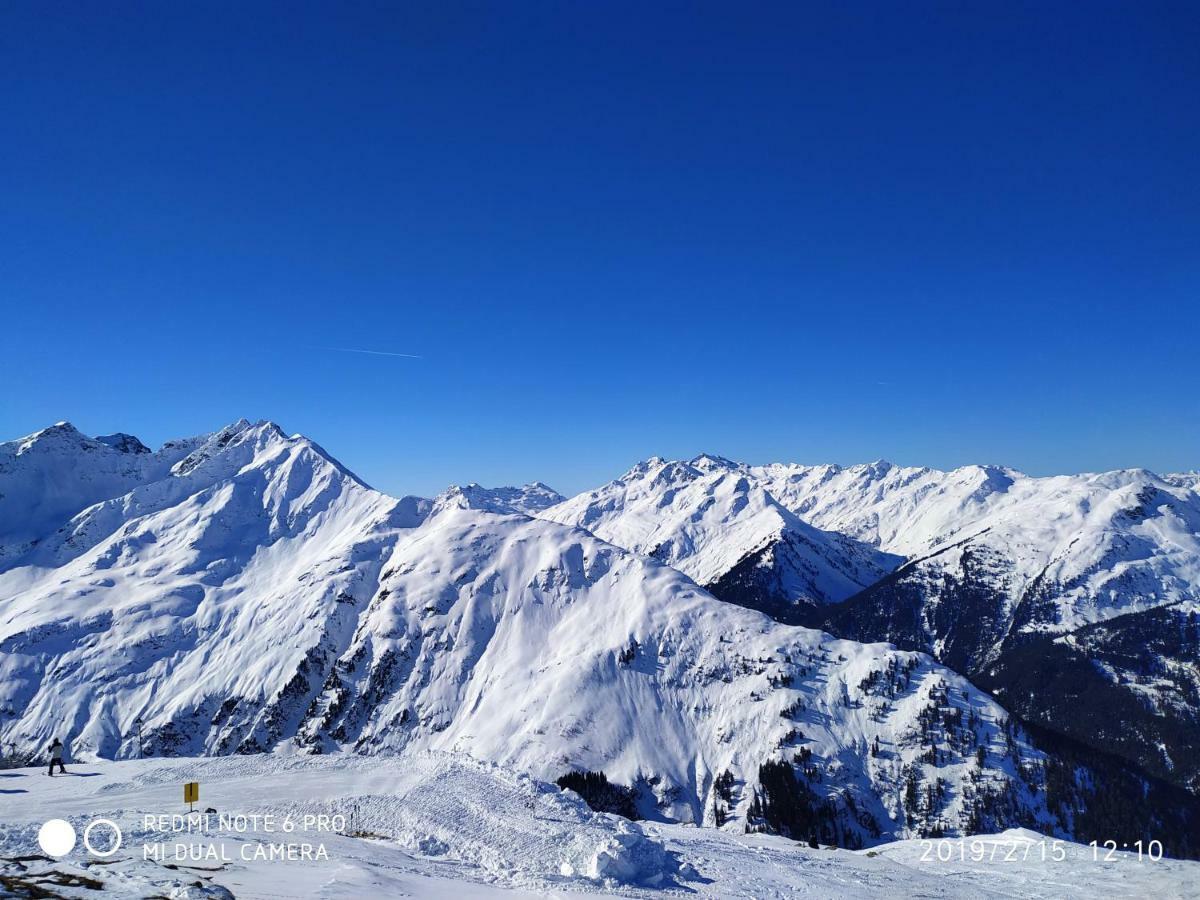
(445, 826)
(712, 521)
(1041, 589)
(1190, 480)
(537, 645)
(194, 601)
(1074, 598)
(1110, 543)
(905, 510)
(48, 476)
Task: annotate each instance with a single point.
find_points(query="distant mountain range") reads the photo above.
(1072, 598)
(708, 635)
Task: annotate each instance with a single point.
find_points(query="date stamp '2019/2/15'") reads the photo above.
(948, 850)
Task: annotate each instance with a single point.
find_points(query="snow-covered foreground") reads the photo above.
(438, 825)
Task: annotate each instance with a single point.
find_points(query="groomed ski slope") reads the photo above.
(436, 825)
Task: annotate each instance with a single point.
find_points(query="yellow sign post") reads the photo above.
(191, 793)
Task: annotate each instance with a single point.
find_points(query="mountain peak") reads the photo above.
(710, 461)
(244, 429)
(233, 428)
(528, 500)
(58, 429)
(59, 437)
(124, 443)
(640, 469)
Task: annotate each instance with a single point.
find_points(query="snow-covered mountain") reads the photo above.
(1042, 589)
(538, 645)
(1109, 543)
(48, 476)
(529, 499)
(258, 590)
(715, 523)
(1072, 597)
(1189, 480)
(253, 592)
(213, 581)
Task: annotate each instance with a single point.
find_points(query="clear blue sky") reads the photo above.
(933, 233)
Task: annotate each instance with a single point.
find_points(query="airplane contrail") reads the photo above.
(373, 352)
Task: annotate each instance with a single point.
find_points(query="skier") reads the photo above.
(56, 755)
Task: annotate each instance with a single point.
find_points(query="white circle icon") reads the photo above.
(116, 839)
(57, 837)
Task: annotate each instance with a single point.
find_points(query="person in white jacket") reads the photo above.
(56, 757)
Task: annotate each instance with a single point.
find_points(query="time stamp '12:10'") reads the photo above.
(964, 850)
(1105, 850)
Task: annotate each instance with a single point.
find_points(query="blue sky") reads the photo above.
(933, 233)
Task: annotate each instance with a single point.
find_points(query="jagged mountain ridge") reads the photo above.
(1072, 597)
(258, 593)
(48, 476)
(1111, 543)
(1010, 580)
(714, 522)
(530, 499)
(540, 646)
(249, 540)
